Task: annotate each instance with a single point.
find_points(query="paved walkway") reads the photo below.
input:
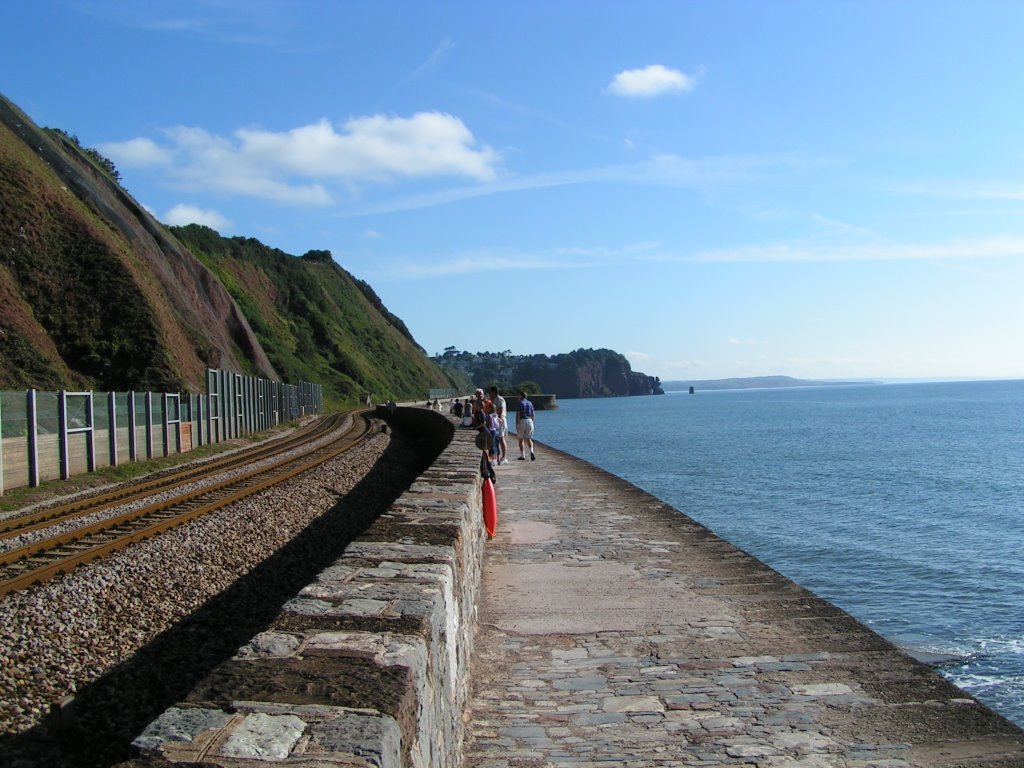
(616, 632)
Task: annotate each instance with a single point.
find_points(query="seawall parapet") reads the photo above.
(369, 664)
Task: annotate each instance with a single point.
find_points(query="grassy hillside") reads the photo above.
(74, 311)
(95, 293)
(316, 322)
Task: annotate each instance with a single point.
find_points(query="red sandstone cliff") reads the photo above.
(96, 292)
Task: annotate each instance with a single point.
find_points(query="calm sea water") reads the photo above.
(901, 503)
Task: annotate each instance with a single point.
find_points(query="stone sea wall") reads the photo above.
(369, 664)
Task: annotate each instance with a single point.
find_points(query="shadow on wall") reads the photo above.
(109, 712)
(431, 431)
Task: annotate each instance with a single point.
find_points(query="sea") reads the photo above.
(903, 504)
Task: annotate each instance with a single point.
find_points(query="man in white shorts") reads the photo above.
(525, 415)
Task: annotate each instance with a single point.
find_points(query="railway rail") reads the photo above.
(180, 500)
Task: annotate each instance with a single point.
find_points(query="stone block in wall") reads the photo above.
(258, 732)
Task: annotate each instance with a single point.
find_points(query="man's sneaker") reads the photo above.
(533, 456)
(522, 458)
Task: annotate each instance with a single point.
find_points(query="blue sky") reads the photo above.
(714, 189)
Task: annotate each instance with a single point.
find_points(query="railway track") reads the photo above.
(181, 500)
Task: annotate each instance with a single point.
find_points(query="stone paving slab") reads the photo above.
(615, 631)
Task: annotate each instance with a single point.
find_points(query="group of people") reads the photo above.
(489, 415)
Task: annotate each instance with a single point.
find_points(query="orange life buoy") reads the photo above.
(490, 508)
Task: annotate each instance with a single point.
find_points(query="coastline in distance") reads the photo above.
(753, 382)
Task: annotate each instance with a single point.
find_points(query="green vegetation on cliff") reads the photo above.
(316, 322)
(95, 293)
(72, 310)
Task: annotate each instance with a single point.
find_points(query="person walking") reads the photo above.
(502, 412)
(525, 415)
(491, 425)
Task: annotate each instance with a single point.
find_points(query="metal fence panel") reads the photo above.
(47, 435)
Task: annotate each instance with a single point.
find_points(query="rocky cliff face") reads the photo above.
(588, 373)
(99, 295)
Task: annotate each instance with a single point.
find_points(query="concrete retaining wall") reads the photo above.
(369, 664)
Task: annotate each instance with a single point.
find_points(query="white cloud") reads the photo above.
(650, 81)
(502, 259)
(611, 253)
(183, 214)
(372, 234)
(376, 148)
(295, 166)
(420, 266)
(965, 189)
(637, 357)
(438, 55)
(789, 252)
(666, 170)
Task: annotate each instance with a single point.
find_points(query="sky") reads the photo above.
(825, 190)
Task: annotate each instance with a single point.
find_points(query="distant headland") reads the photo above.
(754, 382)
(581, 373)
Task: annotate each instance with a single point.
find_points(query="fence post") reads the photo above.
(243, 405)
(247, 382)
(91, 445)
(230, 406)
(165, 427)
(224, 401)
(188, 417)
(133, 443)
(112, 426)
(149, 425)
(62, 433)
(237, 399)
(199, 420)
(227, 390)
(209, 404)
(261, 400)
(31, 424)
(1, 446)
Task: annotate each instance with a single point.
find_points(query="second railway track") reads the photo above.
(126, 493)
(51, 556)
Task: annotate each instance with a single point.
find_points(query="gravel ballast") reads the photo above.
(119, 639)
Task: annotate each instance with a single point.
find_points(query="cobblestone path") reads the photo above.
(614, 631)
